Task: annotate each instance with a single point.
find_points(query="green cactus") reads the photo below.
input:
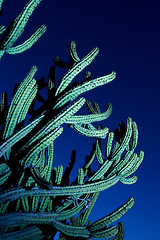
(35, 195)
(16, 28)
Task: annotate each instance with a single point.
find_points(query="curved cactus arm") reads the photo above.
(96, 107)
(90, 118)
(90, 108)
(21, 219)
(84, 87)
(82, 231)
(112, 217)
(27, 103)
(29, 42)
(41, 144)
(18, 110)
(125, 141)
(132, 166)
(134, 139)
(73, 52)
(59, 191)
(4, 172)
(99, 154)
(57, 121)
(71, 230)
(2, 29)
(99, 174)
(26, 233)
(69, 111)
(120, 234)
(66, 205)
(37, 176)
(19, 99)
(1, 2)
(80, 176)
(66, 80)
(50, 152)
(90, 133)
(18, 136)
(104, 234)
(91, 159)
(109, 143)
(118, 164)
(88, 210)
(69, 213)
(18, 25)
(129, 181)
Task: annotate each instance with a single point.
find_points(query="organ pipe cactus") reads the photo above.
(16, 28)
(36, 199)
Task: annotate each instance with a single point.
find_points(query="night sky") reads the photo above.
(128, 35)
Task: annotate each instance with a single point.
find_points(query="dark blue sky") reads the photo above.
(128, 35)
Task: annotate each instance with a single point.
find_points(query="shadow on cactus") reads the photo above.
(36, 198)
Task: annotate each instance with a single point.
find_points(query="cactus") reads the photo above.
(36, 197)
(16, 28)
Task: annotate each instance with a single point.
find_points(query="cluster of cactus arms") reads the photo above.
(16, 28)
(36, 199)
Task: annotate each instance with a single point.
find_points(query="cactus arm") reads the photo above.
(66, 80)
(104, 234)
(99, 154)
(88, 210)
(49, 161)
(18, 25)
(26, 233)
(84, 87)
(109, 143)
(90, 118)
(71, 230)
(28, 43)
(90, 108)
(112, 217)
(129, 181)
(4, 172)
(1, 2)
(60, 191)
(41, 144)
(120, 234)
(18, 101)
(133, 165)
(90, 133)
(37, 177)
(16, 28)
(2, 29)
(99, 174)
(80, 176)
(27, 103)
(59, 174)
(125, 141)
(16, 114)
(20, 219)
(18, 136)
(73, 52)
(118, 164)
(56, 122)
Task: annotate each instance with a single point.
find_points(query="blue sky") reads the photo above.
(128, 35)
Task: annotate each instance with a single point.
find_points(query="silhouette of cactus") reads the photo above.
(36, 197)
